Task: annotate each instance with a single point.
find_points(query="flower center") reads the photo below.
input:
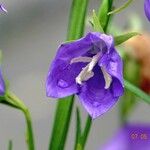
(87, 73)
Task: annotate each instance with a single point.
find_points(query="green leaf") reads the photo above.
(78, 129)
(96, 24)
(121, 8)
(105, 7)
(139, 93)
(122, 38)
(64, 106)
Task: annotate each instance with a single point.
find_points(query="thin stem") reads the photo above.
(10, 145)
(109, 17)
(81, 138)
(14, 100)
(29, 138)
(86, 131)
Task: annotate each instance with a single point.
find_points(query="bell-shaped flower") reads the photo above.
(89, 67)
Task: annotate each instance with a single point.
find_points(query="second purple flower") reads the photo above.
(89, 67)
(147, 8)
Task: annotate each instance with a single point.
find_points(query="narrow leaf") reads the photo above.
(96, 24)
(145, 97)
(78, 128)
(125, 5)
(122, 38)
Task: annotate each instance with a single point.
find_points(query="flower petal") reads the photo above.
(2, 8)
(61, 79)
(147, 9)
(94, 97)
(113, 64)
(2, 85)
(101, 42)
(62, 73)
(109, 41)
(68, 51)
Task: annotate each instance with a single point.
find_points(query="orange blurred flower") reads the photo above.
(139, 48)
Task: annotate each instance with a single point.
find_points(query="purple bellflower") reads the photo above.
(2, 85)
(89, 67)
(147, 8)
(130, 137)
(2, 8)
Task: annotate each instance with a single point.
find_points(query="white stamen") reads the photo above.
(81, 59)
(93, 62)
(84, 75)
(87, 72)
(107, 78)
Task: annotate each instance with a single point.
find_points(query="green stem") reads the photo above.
(29, 139)
(105, 7)
(86, 131)
(64, 106)
(10, 145)
(77, 19)
(109, 17)
(81, 138)
(61, 123)
(14, 100)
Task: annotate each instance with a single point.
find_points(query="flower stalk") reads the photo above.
(64, 107)
(12, 100)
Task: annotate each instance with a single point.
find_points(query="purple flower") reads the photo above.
(130, 137)
(147, 8)
(2, 85)
(2, 8)
(89, 67)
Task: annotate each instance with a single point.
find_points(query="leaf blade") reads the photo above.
(137, 91)
(122, 38)
(96, 24)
